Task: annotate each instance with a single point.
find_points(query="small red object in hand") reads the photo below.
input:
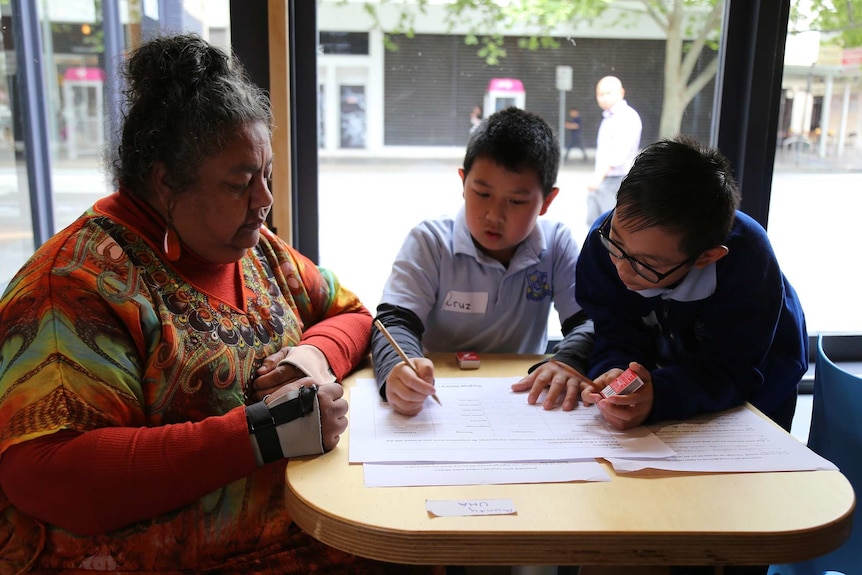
(627, 382)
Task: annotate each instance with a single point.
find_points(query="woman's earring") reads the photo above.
(171, 243)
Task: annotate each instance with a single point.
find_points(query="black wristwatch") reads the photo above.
(263, 419)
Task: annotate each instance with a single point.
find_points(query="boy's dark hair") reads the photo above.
(517, 140)
(684, 187)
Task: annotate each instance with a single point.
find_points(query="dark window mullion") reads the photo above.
(749, 93)
(303, 117)
(248, 25)
(33, 100)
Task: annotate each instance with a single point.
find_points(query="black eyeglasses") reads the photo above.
(643, 270)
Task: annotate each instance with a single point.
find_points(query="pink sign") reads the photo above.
(84, 74)
(851, 56)
(505, 85)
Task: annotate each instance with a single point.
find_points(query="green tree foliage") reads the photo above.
(840, 21)
(691, 28)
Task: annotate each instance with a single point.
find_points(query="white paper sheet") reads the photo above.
(410, 475)
(483, 420)
(738, 440)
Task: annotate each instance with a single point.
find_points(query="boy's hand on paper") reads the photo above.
(622, 411)
(563, 383)
(406, 392)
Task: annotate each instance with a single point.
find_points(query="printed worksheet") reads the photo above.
(736, 440)
(482, 420)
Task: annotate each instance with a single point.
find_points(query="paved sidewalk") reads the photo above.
(408, 156)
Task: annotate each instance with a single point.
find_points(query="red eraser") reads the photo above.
(627, 382)
(468, 359)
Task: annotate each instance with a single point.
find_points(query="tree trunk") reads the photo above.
(672, 109)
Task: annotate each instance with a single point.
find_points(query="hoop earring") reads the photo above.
(171, 242)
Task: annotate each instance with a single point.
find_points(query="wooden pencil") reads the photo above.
(379, 325)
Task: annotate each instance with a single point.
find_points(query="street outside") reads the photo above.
(813, 225)
(367, 207)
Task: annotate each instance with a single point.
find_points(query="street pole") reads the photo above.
(564, 84)
(562, 129)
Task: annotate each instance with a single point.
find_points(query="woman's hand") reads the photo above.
(564, 384)
(287, 365)
(271, 377)
(333, 413)
(331, 405)
(405, 391)
(622, 411)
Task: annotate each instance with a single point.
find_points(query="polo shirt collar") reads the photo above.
(698, 284)
(527, 253)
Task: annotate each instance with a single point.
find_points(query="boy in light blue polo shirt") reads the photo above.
(484, 280)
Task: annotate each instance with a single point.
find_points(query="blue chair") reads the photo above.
(836, 434)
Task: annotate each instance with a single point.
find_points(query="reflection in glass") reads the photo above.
(76, 72)
(352, 116)
(16, 230)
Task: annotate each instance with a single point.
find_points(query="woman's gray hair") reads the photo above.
(183, 101)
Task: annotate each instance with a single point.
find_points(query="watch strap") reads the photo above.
(262, 426)
(286, 408)
(265, 419)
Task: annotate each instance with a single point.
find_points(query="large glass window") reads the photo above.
(16, 229)
(813, 217)
(76, 68)
(395, 99)
(423, 75)
(407, 104)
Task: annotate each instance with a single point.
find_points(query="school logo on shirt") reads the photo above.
(537, 286)
(466, 302)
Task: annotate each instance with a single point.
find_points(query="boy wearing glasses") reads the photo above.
(686, 291)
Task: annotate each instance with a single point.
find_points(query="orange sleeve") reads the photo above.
(344, 339)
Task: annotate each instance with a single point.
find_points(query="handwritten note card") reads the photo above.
(464, 507)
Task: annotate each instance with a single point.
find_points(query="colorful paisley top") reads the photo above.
(96, 331)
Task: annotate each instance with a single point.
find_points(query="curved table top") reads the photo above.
(659, 518)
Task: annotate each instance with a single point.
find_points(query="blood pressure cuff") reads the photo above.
(288, 426)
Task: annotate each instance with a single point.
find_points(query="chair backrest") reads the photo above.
(836, 434)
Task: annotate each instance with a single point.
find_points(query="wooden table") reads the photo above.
(661, 518)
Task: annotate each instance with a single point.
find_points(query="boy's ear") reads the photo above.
(547, 202)
(463, 175)
(711, 255)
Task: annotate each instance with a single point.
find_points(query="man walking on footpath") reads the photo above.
(617, 145)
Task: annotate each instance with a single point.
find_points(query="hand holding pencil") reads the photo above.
(408, 385)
